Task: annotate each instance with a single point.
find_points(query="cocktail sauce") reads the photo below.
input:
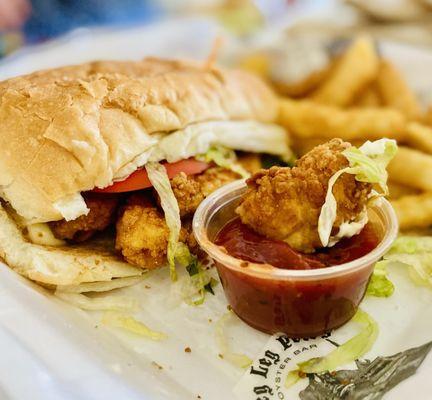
(242, 242)
(297, 307)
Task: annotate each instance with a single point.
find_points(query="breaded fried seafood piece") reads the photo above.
(101, 215)
(142, 233)
(191, 190)
(285, 203)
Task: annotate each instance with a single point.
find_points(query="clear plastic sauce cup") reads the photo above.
(300, 303)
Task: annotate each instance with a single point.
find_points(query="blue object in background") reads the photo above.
(51, 18)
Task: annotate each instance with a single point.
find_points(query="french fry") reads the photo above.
(427, 117)
(396, 190)
(419, 136)
(355, 69)
(306, 119)
(395, 92)
(411, 168)
(301, 88)
(414, 211)
(369, 97)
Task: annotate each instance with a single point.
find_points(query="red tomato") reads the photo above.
(139, 179)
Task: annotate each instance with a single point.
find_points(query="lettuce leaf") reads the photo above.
(415, 252)
(199, 280)
(368, 163)
(349, 351)
(379, 284)
(132, 325)
(159, 178)
(225, 158)
(237, 359)
(411, 245)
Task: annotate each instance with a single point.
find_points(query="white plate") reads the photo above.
(51, 350)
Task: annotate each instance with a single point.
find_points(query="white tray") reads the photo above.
(51, 350)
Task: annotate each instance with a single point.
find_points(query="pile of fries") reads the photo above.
(364, 97)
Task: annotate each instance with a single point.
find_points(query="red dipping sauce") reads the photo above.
(276, 289)
(242, 242)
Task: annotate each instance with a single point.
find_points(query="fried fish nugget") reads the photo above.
(285, 203)
(411, 168)
(414, 211)
(191, 190)
(306, 119)
(142, 233)
(355, 69)
(101, 215)
(395, 92)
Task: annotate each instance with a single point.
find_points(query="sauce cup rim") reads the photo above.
(230, 192)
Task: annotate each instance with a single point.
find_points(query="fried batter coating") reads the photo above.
(101, 215)
(191, 190)
(284, 203)
(142, 233)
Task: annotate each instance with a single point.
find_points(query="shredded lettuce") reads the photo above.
(132, 325)
(193, 282)
(379, 284)
(328, 211)
(225, 158)
(419, 267)
(200, 282)
(415, 253)
(411, 245)
(159, 178)
(368, 163)
(347, 352)
(237, 359)
(292, 378)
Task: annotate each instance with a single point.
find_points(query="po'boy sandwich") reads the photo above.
(102, 165)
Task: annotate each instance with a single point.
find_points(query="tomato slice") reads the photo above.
(139, 179)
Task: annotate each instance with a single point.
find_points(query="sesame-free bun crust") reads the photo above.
(68, 130)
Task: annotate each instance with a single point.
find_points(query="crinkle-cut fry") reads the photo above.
(412, 168)
(414, 211)
(395, 92)
(397, 190)
(355, 69)
(306, 119)
(369, 97)
(419, 136)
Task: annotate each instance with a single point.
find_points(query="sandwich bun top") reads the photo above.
(70, 129)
